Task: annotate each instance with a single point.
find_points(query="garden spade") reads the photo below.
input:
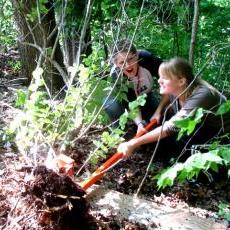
(112, 161)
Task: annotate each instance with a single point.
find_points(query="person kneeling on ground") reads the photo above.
(184, 94)
(138, 67)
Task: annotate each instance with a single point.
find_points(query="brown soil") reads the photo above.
(64, 201)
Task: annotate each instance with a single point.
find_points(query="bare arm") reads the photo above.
(138, 121)
(162, 105)
(127, 148)
(138, 118)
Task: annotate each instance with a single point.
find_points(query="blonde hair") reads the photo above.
(180, 68)
(177, 67)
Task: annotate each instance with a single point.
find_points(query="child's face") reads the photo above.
(170, 85)
(129, 64)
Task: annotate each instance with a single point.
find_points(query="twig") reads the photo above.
(10, 212)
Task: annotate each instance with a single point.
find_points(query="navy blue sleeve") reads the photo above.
(149, 61)
(114, 72)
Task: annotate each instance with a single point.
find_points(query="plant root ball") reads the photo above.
(63, 201)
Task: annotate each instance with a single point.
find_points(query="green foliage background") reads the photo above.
(163, 27)
(7, 28)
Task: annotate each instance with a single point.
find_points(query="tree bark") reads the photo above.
(194, 32)
(72, 34)
(38, 44)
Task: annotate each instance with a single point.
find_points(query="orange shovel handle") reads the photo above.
(97, 175)
(148, 127)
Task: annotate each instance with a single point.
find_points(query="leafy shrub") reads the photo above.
(194, 165)
(110, 140)
(7, 25)
(45, 121)
(188, 125)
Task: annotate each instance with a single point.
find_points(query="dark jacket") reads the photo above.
(146, 60)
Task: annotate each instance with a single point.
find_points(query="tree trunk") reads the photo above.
(194, 31)
(38, 44)
(72, 34)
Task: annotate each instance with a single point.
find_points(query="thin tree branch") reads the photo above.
(194, 32)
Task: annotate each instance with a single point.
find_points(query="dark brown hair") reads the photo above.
(125, 46)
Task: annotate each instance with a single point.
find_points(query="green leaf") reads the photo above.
(213, 166)
(168, 176)
(212, 157)
(225, 154)
(194, 161)
(123, 119)
(224, 108)
(188, 124)
(199, 113)
(224, 210)
(133, 113)
(182, 176)
(227, 216)
(21, 98)
(140, 101)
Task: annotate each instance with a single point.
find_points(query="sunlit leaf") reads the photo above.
(224, 108)
(21, 98)
(188, 124)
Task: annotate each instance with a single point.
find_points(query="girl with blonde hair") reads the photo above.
(185, 94)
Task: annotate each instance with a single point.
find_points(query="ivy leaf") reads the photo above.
(140, 101)
(199, 113)
(227, 216)
(168, 176)
(224, 108)
(214, 166)
(224, 211)
(123, 119)
(133, 113)
(196, 161)
(210, 157)
(182, 175)
(188, 124)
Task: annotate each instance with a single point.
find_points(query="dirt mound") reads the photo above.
(64, 201)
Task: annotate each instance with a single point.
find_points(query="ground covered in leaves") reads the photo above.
(37, 198)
